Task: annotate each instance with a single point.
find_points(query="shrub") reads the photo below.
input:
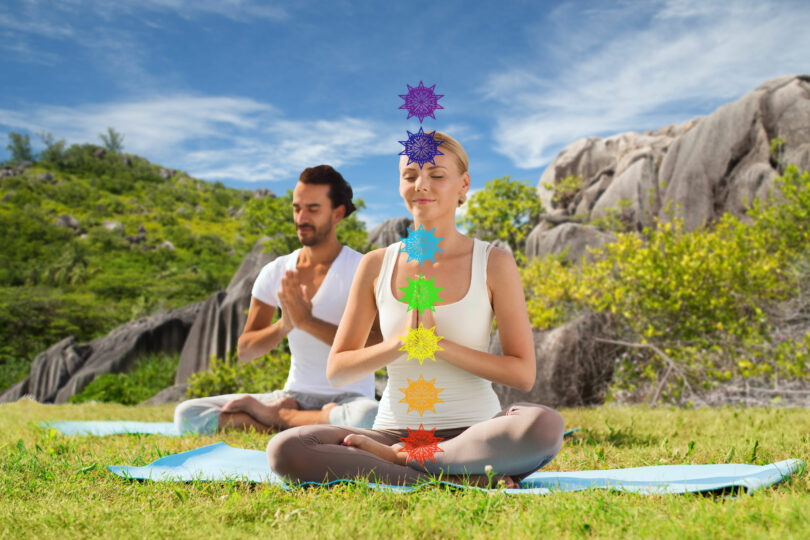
(231, 376)
(695, 303)
(19, 146)
(150, 375)
(505, 210)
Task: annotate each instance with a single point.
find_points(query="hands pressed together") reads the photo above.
(294, 300)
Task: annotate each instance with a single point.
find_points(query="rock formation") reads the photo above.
(702, 168)
(67, 367)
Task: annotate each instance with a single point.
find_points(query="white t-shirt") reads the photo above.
(309, 354)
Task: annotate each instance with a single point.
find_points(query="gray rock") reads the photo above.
(166, 245)
(389, 231)
(67, 221)
(66, 367)
(99, 153)
(172, 394)
(141, 229)
(573, 369)
(700, 169)
(222, 318)
(569, 236)
(166, 173)
(113, 225)
(261, 193)
(7, 197)
(46, 177)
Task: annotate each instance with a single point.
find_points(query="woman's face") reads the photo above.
(433, 190)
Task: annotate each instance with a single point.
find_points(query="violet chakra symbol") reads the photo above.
(421, 147)
(421, 101)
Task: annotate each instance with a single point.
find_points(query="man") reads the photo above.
(311, 286)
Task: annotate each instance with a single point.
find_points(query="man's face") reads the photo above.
(313, 214)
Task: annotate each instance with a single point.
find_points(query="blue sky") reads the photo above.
(250, 93)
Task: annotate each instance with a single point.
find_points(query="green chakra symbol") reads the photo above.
(421, 293)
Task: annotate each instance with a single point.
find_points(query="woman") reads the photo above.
(478, 282)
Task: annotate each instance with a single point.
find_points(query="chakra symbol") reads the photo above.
(421, 245)
(421, 147)
(421, 101)
(421, 293)
(421, 343)
(421, 444)
(421, 395)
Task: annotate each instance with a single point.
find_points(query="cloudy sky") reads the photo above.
(249, 92)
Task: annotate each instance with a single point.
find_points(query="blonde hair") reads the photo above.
(452, 146)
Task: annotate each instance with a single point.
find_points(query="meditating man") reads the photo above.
(311, 285)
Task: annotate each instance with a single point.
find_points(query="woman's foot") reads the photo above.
(388, 453)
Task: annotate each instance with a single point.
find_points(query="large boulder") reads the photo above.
(220, 322)
(573, 369)
(573, 237)
(389, 231)
(67, 367)
(698, 169)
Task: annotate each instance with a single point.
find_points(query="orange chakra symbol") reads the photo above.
(421, 395)
(421, 444)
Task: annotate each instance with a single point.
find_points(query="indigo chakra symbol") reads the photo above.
(421, 147)
(421, 101)
(421, 245)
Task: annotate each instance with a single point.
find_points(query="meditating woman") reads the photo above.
(449, 397)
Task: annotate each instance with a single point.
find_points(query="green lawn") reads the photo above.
(56, 486)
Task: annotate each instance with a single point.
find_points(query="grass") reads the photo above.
(57, 486)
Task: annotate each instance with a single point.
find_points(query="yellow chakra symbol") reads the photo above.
(421, 395)
(421, 343)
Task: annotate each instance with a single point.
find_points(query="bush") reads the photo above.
(231, 376)
(505, 210)
(695, 303)
(151, 374)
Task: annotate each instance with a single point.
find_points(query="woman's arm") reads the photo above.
(349, 360)
(517, 366)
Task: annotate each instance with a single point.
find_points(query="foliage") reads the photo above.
(113, 141)
(565, 190)
(505, 210)
(231, 376)
(700, 300)
(19, 146)
(54, 151)
(150, 375)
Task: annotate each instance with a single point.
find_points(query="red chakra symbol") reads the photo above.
(421, 444)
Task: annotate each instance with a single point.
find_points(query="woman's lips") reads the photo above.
(422, 201)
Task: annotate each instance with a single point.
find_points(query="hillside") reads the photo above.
(92, 239)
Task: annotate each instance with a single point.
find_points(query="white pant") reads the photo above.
(201, 415)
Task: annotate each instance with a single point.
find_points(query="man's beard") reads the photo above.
(315, 235)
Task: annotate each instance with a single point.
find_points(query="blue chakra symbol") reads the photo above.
(421, 147)
(421, 101)
(421, 245)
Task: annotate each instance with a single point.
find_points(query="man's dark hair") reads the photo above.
(340, 192)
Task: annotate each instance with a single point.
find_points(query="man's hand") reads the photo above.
(296, 306)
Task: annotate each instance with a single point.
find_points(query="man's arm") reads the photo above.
(260, 336)
(326, 331)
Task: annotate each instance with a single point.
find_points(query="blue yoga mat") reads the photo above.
(220, 462)
(101, 428)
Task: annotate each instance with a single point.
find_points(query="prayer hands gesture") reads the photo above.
(296, 305)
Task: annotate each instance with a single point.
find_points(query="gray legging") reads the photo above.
(516, 442)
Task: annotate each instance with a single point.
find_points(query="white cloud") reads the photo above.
(215, 138)
(638, 67)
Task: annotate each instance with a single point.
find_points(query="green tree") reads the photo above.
(505, 210)
(20, 147)
(113, 141)
(54, 151)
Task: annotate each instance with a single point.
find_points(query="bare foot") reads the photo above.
(266, 413)
(388, 453)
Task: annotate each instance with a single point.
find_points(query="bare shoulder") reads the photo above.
(499, 264)
(370, 264)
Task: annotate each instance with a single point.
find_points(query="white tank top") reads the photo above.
(466, 399)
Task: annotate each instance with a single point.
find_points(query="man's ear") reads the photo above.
(339, 213)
